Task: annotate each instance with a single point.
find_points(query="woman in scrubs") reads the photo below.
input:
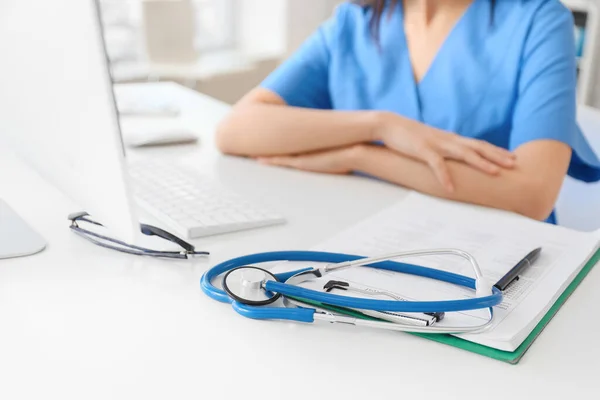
(470, 100)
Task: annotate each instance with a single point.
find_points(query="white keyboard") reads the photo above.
(193, 205)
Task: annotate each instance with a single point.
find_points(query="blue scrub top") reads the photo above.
(510, 81)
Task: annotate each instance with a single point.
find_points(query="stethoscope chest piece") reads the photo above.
(246, 285)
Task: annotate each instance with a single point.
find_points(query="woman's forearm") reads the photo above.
(263, 125)
(266, 130)
(523, 189)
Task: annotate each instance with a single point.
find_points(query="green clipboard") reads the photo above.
(506, 356)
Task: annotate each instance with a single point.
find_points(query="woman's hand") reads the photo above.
(337, 161)
(434, 146)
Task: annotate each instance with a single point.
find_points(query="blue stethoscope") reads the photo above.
(251, 290)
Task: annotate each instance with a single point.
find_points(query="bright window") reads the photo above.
(214, 24)
(122, 21)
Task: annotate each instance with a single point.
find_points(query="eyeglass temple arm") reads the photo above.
(150, 230)
(147, 230)
(81, 216)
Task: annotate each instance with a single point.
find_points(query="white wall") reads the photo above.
(261, 27)
(595, 62)
(279, 26)
(269, 30)
(590, 75)
(596, 83)
(304, 17)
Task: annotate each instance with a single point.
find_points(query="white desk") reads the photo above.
(81, 322)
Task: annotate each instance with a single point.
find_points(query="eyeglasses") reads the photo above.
(188, 250)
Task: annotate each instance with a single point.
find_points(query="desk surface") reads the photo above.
(82, 322)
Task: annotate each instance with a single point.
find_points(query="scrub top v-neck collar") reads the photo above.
(508, 81)
(418, 93)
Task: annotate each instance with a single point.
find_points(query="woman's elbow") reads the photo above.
(536, 202)
(536, 210)
(231, 134)
(225, 136)
(539, 177)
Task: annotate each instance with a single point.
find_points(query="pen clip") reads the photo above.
(511, 282)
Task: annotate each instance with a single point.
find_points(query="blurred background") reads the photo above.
(223, 48)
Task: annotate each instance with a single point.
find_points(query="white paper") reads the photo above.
(497, 239)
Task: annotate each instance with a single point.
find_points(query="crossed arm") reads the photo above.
(414, 155)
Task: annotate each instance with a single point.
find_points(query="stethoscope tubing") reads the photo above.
(344, 301)
(387, 305)
(275, 313)
(301, 256)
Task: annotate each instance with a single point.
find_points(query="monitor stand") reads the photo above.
(17, 239)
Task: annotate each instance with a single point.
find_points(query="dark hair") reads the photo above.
(378, 7)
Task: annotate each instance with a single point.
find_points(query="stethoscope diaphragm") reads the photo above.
(246, 285)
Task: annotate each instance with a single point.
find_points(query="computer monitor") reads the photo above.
(57, 107)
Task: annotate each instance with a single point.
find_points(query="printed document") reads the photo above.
(497, 239)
